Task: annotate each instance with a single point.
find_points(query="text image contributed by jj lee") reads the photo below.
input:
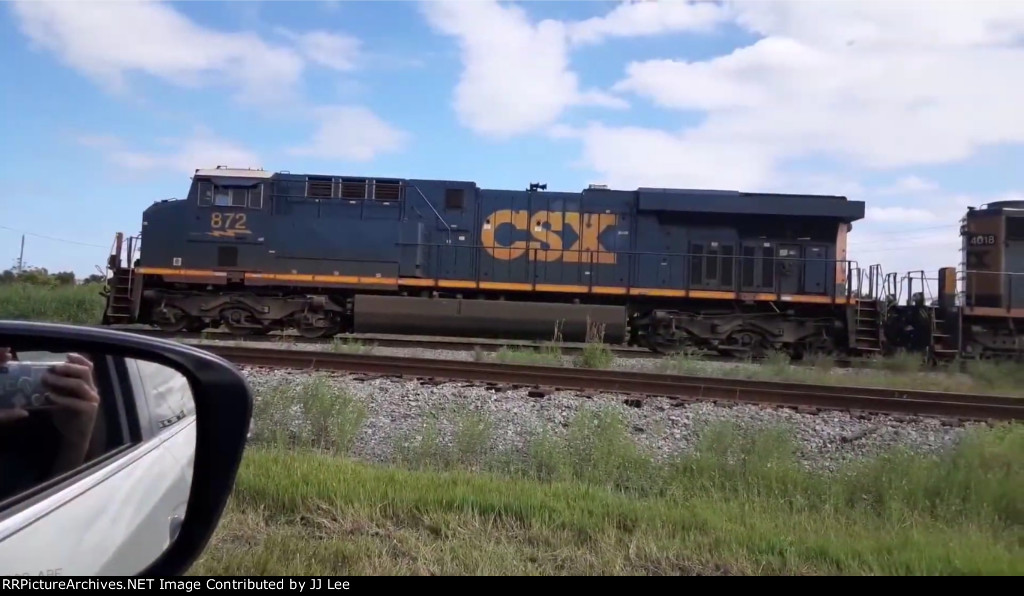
(304, 584)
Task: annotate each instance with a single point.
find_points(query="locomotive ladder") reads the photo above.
(864, 321)
(941, 342)
(119, 302)
(119, 294)
(867, 328)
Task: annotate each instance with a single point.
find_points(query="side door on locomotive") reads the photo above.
(117, 451)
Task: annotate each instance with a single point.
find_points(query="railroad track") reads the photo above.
(390, 341)
(435, 343)
(641, 385)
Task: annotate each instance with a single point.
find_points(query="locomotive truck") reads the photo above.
(251, 251)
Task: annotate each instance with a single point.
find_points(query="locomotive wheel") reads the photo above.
(195, 325)
(242, 331)
(171, 319)
(744, 344)
(241, 322)
(659, 344)
(307, 327)
(318, 332)
(666, 348)
(175, 326)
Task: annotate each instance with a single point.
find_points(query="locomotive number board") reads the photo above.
(981, 239)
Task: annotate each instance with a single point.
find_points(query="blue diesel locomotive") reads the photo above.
(252, 251)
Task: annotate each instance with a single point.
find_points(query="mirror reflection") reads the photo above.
(91, 442)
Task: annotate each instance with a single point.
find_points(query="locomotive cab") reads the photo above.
(992, 316)
(993, 244)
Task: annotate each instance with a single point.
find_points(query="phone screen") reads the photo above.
(21, 385)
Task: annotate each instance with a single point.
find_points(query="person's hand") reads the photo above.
(72, 388)
(72, 385)
(9, 414)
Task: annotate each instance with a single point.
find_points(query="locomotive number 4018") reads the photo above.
(982, 239)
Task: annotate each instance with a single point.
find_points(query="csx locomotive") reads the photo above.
(251, 251)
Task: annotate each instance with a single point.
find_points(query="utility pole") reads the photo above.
(21, 255)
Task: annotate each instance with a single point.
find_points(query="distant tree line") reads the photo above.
(39, 276)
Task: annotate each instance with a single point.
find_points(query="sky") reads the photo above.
(915, 107)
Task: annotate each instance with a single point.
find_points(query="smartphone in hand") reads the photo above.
(21, 385)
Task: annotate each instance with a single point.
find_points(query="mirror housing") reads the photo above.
(223, 409)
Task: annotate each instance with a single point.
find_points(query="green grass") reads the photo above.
(350, 346)
(595, 355)
(546, 355)
(590, 501)
(77, 305)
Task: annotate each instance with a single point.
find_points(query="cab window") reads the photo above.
(247, 195)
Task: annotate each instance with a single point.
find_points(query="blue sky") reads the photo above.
(912, 108)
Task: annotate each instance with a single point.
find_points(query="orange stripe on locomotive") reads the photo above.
(257, 279)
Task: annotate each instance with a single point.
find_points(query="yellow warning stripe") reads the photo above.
(497, 285)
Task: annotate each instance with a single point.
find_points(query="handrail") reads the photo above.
(539, 266)
(926, 288)
(1005, 290)
(447, 227)
(115, 251)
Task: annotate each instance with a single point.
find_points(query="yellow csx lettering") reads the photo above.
(546, 227)
(228, 224)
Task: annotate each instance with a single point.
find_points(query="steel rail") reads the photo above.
(682, 387)
(458, 344)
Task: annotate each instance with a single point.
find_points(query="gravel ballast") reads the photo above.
(400, 412)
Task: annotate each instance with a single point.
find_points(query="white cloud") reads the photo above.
(516, 76)
(333, 50)
(925, 250)
(107, 41)
(897, 24)
(898, 214)
(201, 150)
(876, 85)
(880, 109)
(351, 133)
(630, 157)
(646, 17)
(909, 185)
(907, 238)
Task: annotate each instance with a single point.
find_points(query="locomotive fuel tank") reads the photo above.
(485, 318)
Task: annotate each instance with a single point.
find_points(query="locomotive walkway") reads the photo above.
(639, 386)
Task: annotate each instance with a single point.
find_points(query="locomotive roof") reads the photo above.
(649, 198)
(226, 172)
(998, 207)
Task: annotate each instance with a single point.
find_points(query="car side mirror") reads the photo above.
(118, 452)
